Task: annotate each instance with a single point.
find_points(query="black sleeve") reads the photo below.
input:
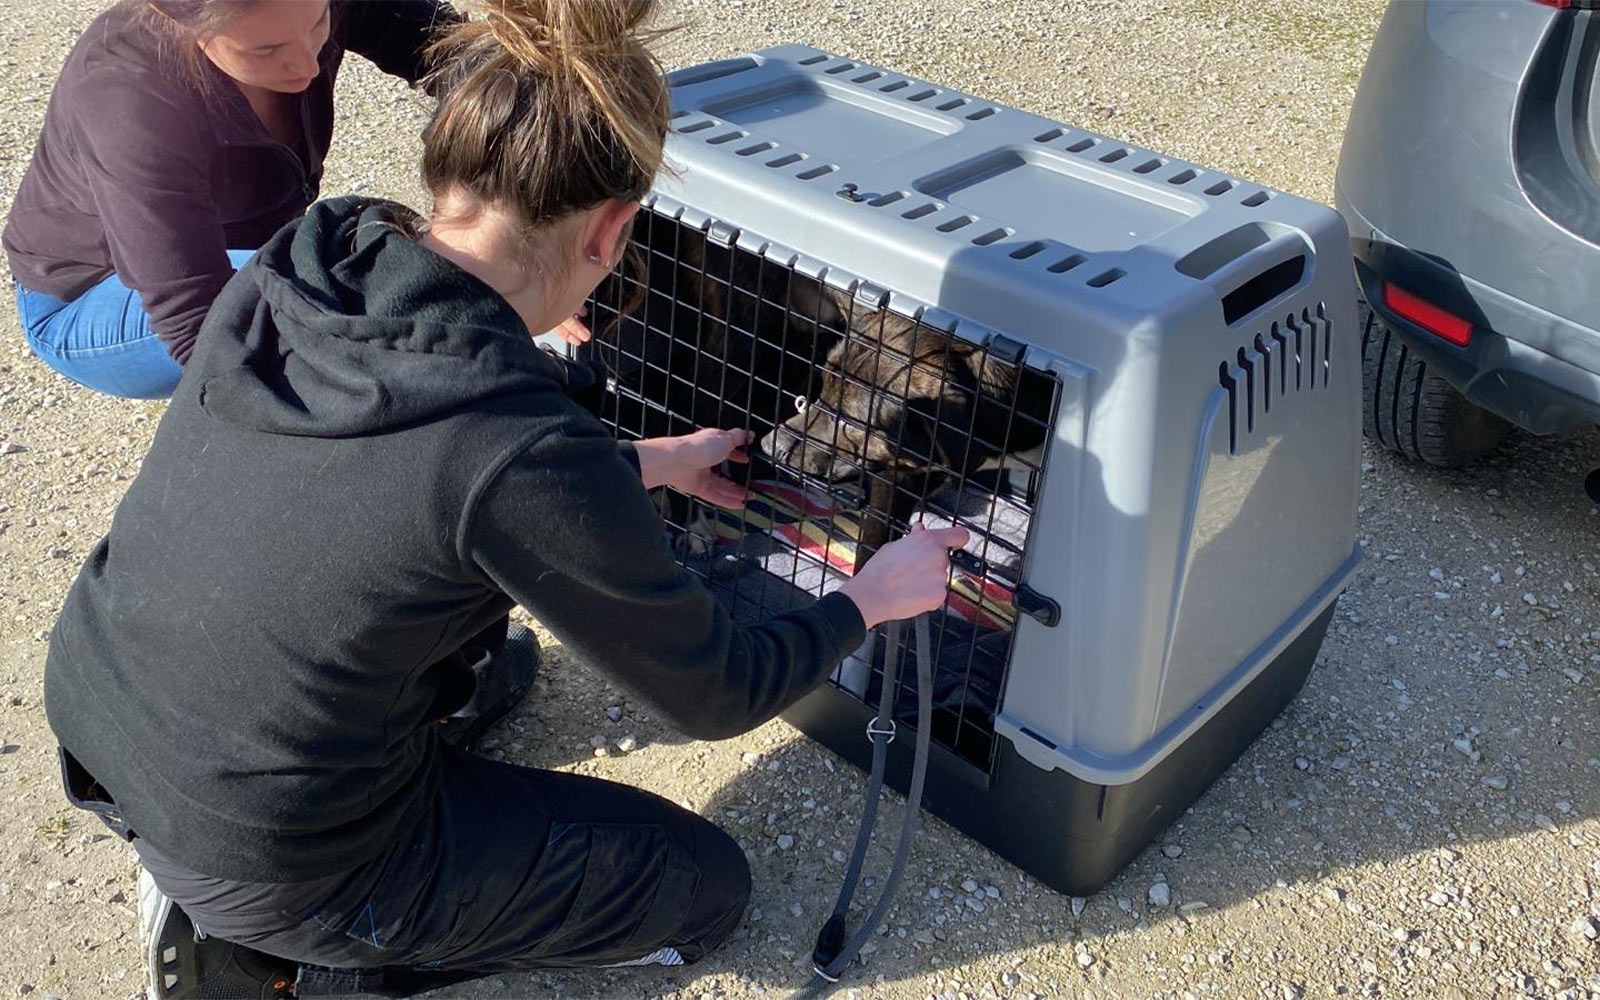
(566, 529)
(151, 185)
(392, 34)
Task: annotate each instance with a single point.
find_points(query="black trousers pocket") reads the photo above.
(87, 794)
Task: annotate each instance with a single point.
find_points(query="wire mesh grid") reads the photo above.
(866, 421)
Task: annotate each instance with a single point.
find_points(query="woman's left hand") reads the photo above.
(689, 463)
(573, 330)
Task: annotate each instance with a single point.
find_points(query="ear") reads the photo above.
(607, 230)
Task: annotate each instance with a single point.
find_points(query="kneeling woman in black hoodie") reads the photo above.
(366, 464)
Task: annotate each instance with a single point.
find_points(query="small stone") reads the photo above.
(1530, 600)
(1494, 577)
(1294, 991)
(1584, 927)
(796, 909)
(1085, 959)
(1302, 763)
(1498, 782)
(993, 892)
(968, 885)
(1160, 894)
(597, 741)
(1563, 807)
(52, 886)
(1573, 675)
(11, 448)
(1077, 905)
(1438, 898)
(627, 744)
(785, 841)
(1339, 763)
(1172, 850)
(1124, 904)
(924, 936)
(1193, 906)
(755, 915)
(602, 751)
(750, 757)
(614, 713)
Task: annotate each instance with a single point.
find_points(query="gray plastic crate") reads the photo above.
(1193, 515)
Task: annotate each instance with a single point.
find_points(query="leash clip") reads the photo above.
(874, 731)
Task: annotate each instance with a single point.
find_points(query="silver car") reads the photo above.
(1470, 177)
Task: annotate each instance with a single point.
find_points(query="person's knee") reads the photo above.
(723, 892)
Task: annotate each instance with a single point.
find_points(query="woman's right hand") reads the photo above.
(906, 577)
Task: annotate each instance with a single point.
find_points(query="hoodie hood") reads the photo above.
(342, 325)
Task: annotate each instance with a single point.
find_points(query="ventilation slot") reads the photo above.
(813, 60)
(921, 210)
(1256, 200)
(921, 95)
(1182, 177)
(955, 223)
(886, 199)
(696, 127)
(841, 68)
(1066, 264)
(786, 159)
(1114, 156)
(1081, 145)
(952, 105)
(1149, 165)
(990, 237)
(867, 77)
(1292, 356)
(1027, 250)
(1220, 187)
(760, 147)
(980, 114)
(1105, 278)
(1050, 136)
(890, 88)
(718, 140)
(815, 172)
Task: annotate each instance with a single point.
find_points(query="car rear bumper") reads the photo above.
(1547, 390)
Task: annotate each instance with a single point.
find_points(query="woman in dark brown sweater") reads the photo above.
(179, 136)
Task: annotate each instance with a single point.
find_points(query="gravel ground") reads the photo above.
(1420, 823)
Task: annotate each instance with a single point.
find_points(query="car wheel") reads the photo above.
(1407, 409)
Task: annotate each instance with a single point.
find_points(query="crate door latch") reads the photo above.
(1035, 605)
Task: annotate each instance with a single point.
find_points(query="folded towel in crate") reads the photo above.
(790, 546)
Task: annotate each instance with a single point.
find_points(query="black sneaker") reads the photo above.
(503, 681)
(183, 963)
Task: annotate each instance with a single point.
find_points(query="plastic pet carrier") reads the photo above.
(1136, 381)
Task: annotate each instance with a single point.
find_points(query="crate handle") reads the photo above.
(1249, 266)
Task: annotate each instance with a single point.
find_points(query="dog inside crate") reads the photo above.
(864, 421)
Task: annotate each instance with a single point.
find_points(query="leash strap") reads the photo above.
(833, 951)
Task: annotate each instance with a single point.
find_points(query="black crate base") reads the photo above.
(1072, 835)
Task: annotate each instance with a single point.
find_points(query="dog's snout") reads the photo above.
(779, 444)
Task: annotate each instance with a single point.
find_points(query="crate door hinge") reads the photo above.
(1035, 605)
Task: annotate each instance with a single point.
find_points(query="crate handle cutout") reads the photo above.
(1242, 246)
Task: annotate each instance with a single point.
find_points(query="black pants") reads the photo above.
(513, 868)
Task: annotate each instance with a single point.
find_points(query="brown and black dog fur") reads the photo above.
(901, 409)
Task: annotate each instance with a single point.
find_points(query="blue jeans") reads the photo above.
(102, 339)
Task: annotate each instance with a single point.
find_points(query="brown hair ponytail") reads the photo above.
(546, 107)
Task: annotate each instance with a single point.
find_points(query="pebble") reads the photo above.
(1585, 927)
(785, 841)
(1077, 905)
(1293, 991)
(614, 713)
(1172, 850)
(627, 744)
(1160, 894)
(597, 741)
(11, 448)
(750, 757)
(968, 885)
(796, 909)
(1085, 959)
(1498, 782)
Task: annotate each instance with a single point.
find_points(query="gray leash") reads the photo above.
(833, 951)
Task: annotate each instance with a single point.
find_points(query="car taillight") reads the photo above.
(1571, 4)
(1441, 323)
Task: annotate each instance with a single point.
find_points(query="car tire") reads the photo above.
(1406, 408)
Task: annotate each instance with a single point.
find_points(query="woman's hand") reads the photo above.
(573, 330)
(906, 577)
(688, 463)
